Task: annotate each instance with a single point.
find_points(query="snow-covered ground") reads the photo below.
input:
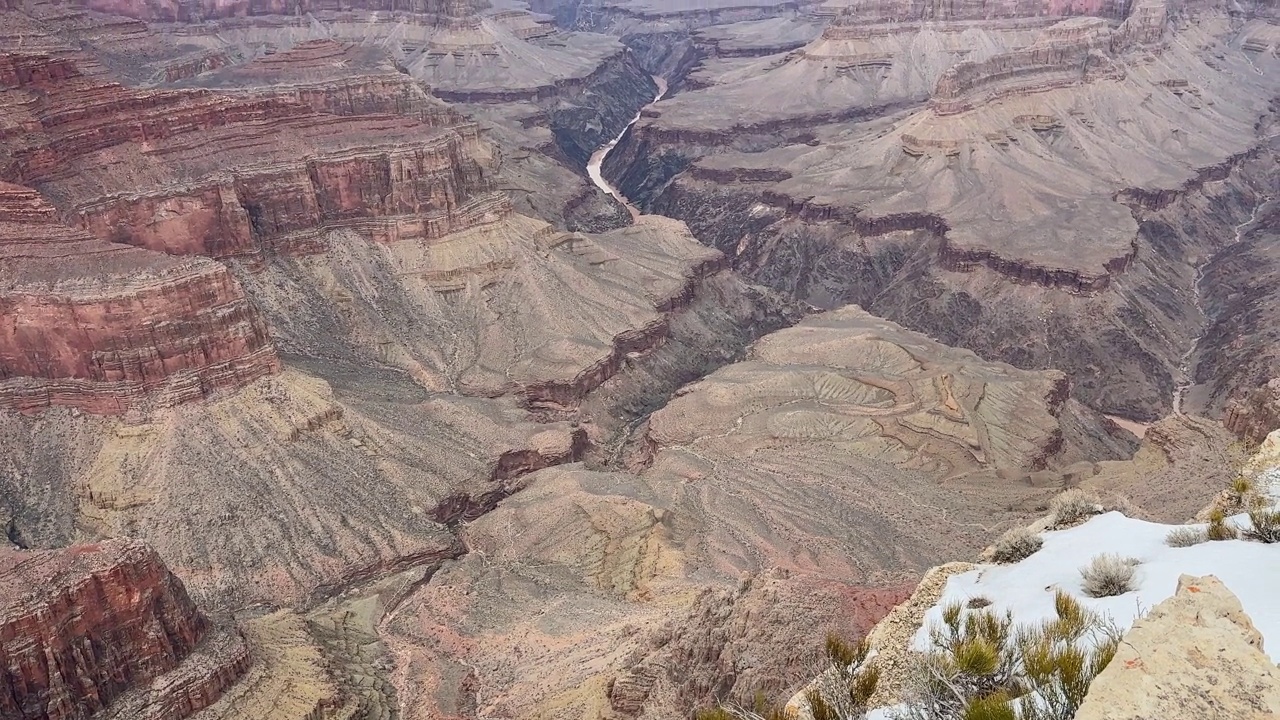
(1249, 569)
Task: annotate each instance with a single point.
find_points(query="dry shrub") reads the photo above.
(1073, 507)
(1264, 525)
(1016, 544)
(1186, 536)
(981, 667)
(1108, 575)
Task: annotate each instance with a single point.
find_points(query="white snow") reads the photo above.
(1249, 569)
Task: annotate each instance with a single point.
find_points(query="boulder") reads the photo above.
(1196, 654)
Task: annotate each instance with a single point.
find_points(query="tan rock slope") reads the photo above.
(1196, 653)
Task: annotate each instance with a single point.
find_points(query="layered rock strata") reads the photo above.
(104, 327)
(1256, 414)
(1006, 179)
(84, 626)
(135, 167)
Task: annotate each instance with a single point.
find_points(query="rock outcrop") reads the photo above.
(970, 162)
(819, 474)
(1255, 415)
(1195, 654)
(104, 327)
(136, 167)
(84, 626)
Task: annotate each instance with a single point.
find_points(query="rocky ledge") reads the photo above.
(83, 626)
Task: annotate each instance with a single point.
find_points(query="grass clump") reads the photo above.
(1015, 545)
(981, 668)
(1108, 575)
(1219, 528)
(1186, 536)
(1073, 507)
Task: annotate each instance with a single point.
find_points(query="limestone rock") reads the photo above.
(1256, 414)
(1196, 654)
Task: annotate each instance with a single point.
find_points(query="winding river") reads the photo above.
(597, 158)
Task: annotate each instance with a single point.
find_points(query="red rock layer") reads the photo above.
(198, 10)
(194, 172)
(101, 327)
(80, 626)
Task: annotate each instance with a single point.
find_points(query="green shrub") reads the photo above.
(980, 668)
(1015, 545)
(1219, 528)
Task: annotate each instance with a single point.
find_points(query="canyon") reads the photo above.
(448, 358)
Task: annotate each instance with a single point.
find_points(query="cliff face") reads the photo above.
(101, 326)
(80, 627)
(1256, 414)
(197, 10)
(1068, 53)
(193, 172)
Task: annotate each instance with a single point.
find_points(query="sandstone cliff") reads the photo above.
(83, 626)
(1256, 414)
(135, 166)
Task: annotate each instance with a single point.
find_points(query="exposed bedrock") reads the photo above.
(669, 55)
(1121, 342)
(135, 166)
(955, 219)
(105, 327)
(1240, 346)
(773, 482)
(199, 10)
(627, 17)
(91, 625)
(1255, 414)
(602, 110)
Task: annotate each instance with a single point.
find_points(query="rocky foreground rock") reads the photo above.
(1196, 654)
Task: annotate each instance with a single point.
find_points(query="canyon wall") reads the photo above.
(83, 626)
(135, 167)
(102, 326)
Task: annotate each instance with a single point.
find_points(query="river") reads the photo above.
(597, 158)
